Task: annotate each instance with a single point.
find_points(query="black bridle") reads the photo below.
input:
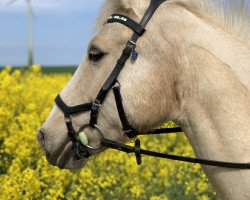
(81, 150)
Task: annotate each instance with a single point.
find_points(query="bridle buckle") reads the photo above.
(130, 133)
(138, 152)
(116, 85)
(133, 43)
(68, 119)
(96, 105)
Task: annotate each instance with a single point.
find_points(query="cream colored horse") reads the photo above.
(193, 68)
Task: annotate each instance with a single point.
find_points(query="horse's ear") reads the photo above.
(138, 7)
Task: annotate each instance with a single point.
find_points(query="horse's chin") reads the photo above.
(67, 160)
(72, 164)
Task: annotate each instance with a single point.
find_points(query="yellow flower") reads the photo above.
(158, 198)
(136, 191)
(8, 68)
(36, 68)
(203, 197)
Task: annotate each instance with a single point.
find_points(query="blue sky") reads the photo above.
(62, 31)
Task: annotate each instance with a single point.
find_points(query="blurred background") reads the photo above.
(60, 34)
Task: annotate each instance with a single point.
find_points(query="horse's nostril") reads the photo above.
(40, 138)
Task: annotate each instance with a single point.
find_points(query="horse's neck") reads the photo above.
(215, 115)
(235, 54)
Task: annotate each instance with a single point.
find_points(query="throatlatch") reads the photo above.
(81, 148)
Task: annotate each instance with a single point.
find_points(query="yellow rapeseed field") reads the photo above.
(26, 99)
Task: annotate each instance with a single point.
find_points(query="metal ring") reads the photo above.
(98, 131)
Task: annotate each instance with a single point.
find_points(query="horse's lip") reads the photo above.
(64, 161)
(52, 157)
(65, 155)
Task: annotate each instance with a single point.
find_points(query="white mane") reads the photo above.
(233, 14)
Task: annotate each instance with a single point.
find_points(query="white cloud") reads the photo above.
(51, 6)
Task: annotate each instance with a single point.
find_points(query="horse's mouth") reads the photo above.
(62, 156)
(66, 159)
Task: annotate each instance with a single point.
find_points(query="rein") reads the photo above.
(138, 152)
(81, 148)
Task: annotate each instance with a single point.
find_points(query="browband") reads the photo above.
(127, 22)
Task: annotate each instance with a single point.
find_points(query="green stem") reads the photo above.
(30, 34)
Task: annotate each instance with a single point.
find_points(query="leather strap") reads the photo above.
(127, 22)
(154, 4)
(150, 11)
(127, 129)
(111, 80)
(128, 149)
(67, 110)
(71, 131)
(162, 131)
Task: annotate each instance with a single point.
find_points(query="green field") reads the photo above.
(50, 69)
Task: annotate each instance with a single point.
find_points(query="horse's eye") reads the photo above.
(95, 54)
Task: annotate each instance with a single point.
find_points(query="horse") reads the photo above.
(193, 68)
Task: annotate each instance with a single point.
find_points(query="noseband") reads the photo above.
(81, 148)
